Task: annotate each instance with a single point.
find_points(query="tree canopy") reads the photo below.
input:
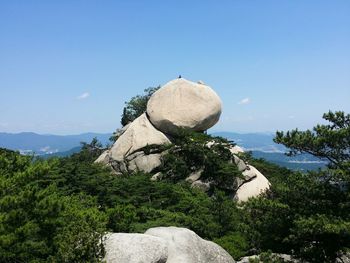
(307, 213)
(331, 141)
(136, 106)
(40, 224)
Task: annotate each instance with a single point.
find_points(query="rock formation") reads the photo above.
(255, 184)
(129, 248)
(163, 245)
(185, 104)
(178, 104)
(252, 184)
(127, 153)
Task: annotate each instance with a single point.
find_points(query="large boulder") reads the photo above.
(163, 245)
(139, 134)
(128, 152)
(254, 185)
(134, 248)
(186, 246)
(184, 104)
(141, 161)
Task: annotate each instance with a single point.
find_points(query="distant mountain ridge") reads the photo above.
(260, 144)
(30, 142)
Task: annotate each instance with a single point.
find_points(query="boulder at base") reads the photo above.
(127, 152)
(186, 246)
(186, 104)
(163, 245)
(134, 248)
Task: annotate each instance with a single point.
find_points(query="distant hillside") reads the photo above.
(62, 154)
(47, 145)
(29, 142)
(262, 146)
(301, 162)
(262, 142)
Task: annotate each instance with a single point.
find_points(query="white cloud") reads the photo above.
(83, 96)
(291, 117)
(244, 101)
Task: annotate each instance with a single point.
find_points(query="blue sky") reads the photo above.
(66, 67)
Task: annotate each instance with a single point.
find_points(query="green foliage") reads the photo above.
(136, 106)
(234, 243)
(306, 214)
(320, 236)
(57, 210)
(266, 224)
(134, 203)
(282, 220)
(91, 150)
(121, 217)
(39, 224)
(331, 141)
(191, 153)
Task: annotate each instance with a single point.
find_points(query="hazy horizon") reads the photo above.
(210, 131)
(67, 67)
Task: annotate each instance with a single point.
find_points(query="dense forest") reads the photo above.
(58, 210)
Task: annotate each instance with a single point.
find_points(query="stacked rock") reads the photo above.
(185, 104)
(178, 104)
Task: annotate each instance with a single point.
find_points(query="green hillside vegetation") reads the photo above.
(57, 210)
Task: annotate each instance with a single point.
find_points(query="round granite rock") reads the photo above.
(184, 104)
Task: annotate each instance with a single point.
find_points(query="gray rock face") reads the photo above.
(134, 248)
(139, 134)
(343, 257)
(157, 176)
(185, 246)
(248, 259)
(274, 256)
(103, 158)
(254, 185)
(241, 165)
(163, 245)
(144, 162)
(236, 149)
(194, 176)
(183, 103)
(127, 153)
(199, 184)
